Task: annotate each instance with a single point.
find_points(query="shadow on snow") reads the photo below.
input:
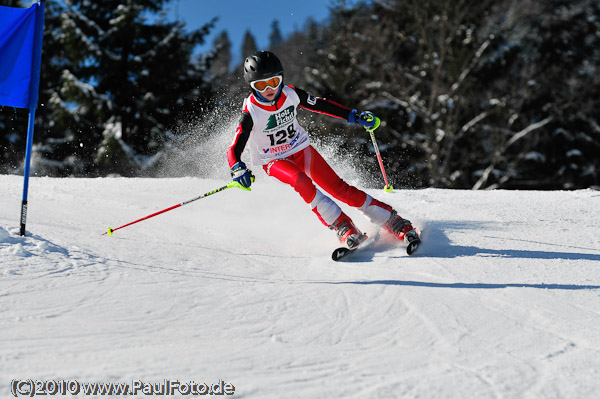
(436, 244)
(469, 285)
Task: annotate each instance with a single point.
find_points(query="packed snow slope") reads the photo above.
(501, 301)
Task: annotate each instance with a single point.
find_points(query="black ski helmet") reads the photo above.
(261, 65)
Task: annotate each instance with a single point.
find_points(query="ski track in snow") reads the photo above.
(501, 301)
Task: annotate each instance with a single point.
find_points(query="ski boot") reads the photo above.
(404, 231)
(347, 232)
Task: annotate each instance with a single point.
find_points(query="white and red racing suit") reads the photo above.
(282, 147)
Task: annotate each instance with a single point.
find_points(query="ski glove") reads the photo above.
(241, 174)
(365, 119)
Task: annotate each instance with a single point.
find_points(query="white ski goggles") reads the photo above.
(261, 85)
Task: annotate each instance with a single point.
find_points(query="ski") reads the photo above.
(342, 252)
(412, 246)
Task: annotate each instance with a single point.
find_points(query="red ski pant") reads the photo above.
(307, 167)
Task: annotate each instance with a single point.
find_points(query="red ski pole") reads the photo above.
(110, 231)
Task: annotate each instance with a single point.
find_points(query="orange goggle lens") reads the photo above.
(262, 85)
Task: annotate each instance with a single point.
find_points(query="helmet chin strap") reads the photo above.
(264, 100)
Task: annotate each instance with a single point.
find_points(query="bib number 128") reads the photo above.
(281, 136)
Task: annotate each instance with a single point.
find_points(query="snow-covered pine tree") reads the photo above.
(222, 62)
(127, 76)
(493, 94)
(275, 37)
(248, 45)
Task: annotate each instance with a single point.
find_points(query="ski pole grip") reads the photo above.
(375, 126)
(369, 118)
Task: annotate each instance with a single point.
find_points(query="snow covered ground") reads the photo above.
(502, 301)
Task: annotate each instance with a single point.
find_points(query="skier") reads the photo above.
(281, 146)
